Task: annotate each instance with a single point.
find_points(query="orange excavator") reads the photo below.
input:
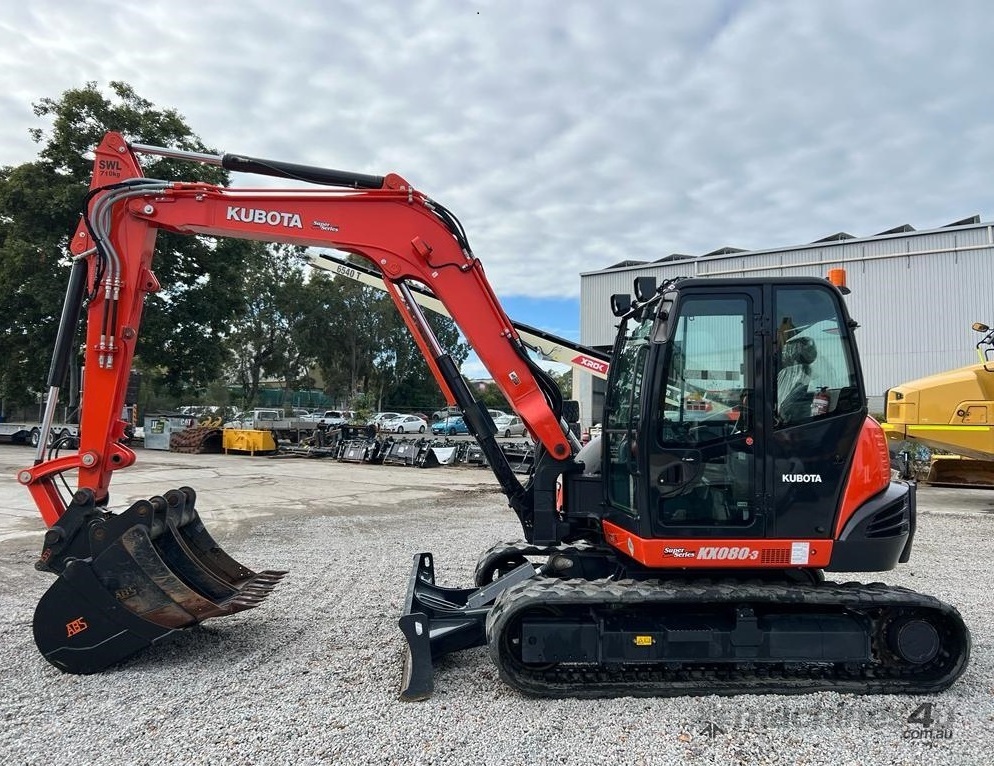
(682, 552)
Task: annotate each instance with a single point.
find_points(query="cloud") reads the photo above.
(566, 137)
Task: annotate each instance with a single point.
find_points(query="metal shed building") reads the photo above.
(914, 293)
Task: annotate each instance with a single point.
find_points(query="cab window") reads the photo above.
(815, 374)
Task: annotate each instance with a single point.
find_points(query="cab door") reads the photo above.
(703, 466)
(818, 408)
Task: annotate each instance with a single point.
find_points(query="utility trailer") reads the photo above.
(30, 433)
(263, 430)
(275, 421)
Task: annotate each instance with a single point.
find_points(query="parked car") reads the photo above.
(454, 411)
(451, 426)
(448, 412)
(404, 424)
(509, 425)
(379, 417)
(331, 417)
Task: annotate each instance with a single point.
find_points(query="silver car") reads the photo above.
(509, 425)
(404, 424)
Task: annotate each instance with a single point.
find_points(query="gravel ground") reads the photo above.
(312, 676)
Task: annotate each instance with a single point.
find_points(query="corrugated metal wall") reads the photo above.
(915, 296)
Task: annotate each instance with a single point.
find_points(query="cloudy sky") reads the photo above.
(565, 135)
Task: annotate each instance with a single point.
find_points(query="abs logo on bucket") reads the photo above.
(75, 626)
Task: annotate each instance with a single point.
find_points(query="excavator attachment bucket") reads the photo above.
(959, 471)
(131, 580)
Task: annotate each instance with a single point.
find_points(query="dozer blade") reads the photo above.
(439, 620)
(130, 580)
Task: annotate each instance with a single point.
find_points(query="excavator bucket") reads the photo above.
(960, 471)
(131, 580)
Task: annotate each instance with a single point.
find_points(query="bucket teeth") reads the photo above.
(269, 577)
(251, 595)
(259, 593)
(241, 605)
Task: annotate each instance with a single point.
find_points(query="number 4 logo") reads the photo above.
(923, 715)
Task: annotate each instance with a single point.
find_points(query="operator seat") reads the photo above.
(794, 378)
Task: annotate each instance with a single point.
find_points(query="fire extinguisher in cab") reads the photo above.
(819, 403)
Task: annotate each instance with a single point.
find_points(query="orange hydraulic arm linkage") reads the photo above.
(383, 219)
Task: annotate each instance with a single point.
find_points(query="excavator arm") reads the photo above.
(129, 579)
(382, 219)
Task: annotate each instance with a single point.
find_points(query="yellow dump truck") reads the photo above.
(952, 412)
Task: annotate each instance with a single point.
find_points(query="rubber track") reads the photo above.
(877, 601)
(504, 550)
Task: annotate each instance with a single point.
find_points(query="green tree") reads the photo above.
(403, 374)
(565, 382)
(491, 396)
(182, 344)
(344, 334)
(35, 224)
(362, 346)
(268, 336)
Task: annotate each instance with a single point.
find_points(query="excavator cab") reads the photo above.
(721, 424)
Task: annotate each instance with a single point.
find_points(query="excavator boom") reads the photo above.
(394, 226)
(152, 569)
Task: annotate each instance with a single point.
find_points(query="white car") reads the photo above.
(379, 417)
(404, 424)
(331, 417)
(509, 425)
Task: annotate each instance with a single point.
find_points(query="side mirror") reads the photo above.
(645, 288)
(621, 304)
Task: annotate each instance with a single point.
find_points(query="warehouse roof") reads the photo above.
(831, 239)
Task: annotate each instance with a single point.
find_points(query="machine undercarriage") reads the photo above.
(554, 635)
